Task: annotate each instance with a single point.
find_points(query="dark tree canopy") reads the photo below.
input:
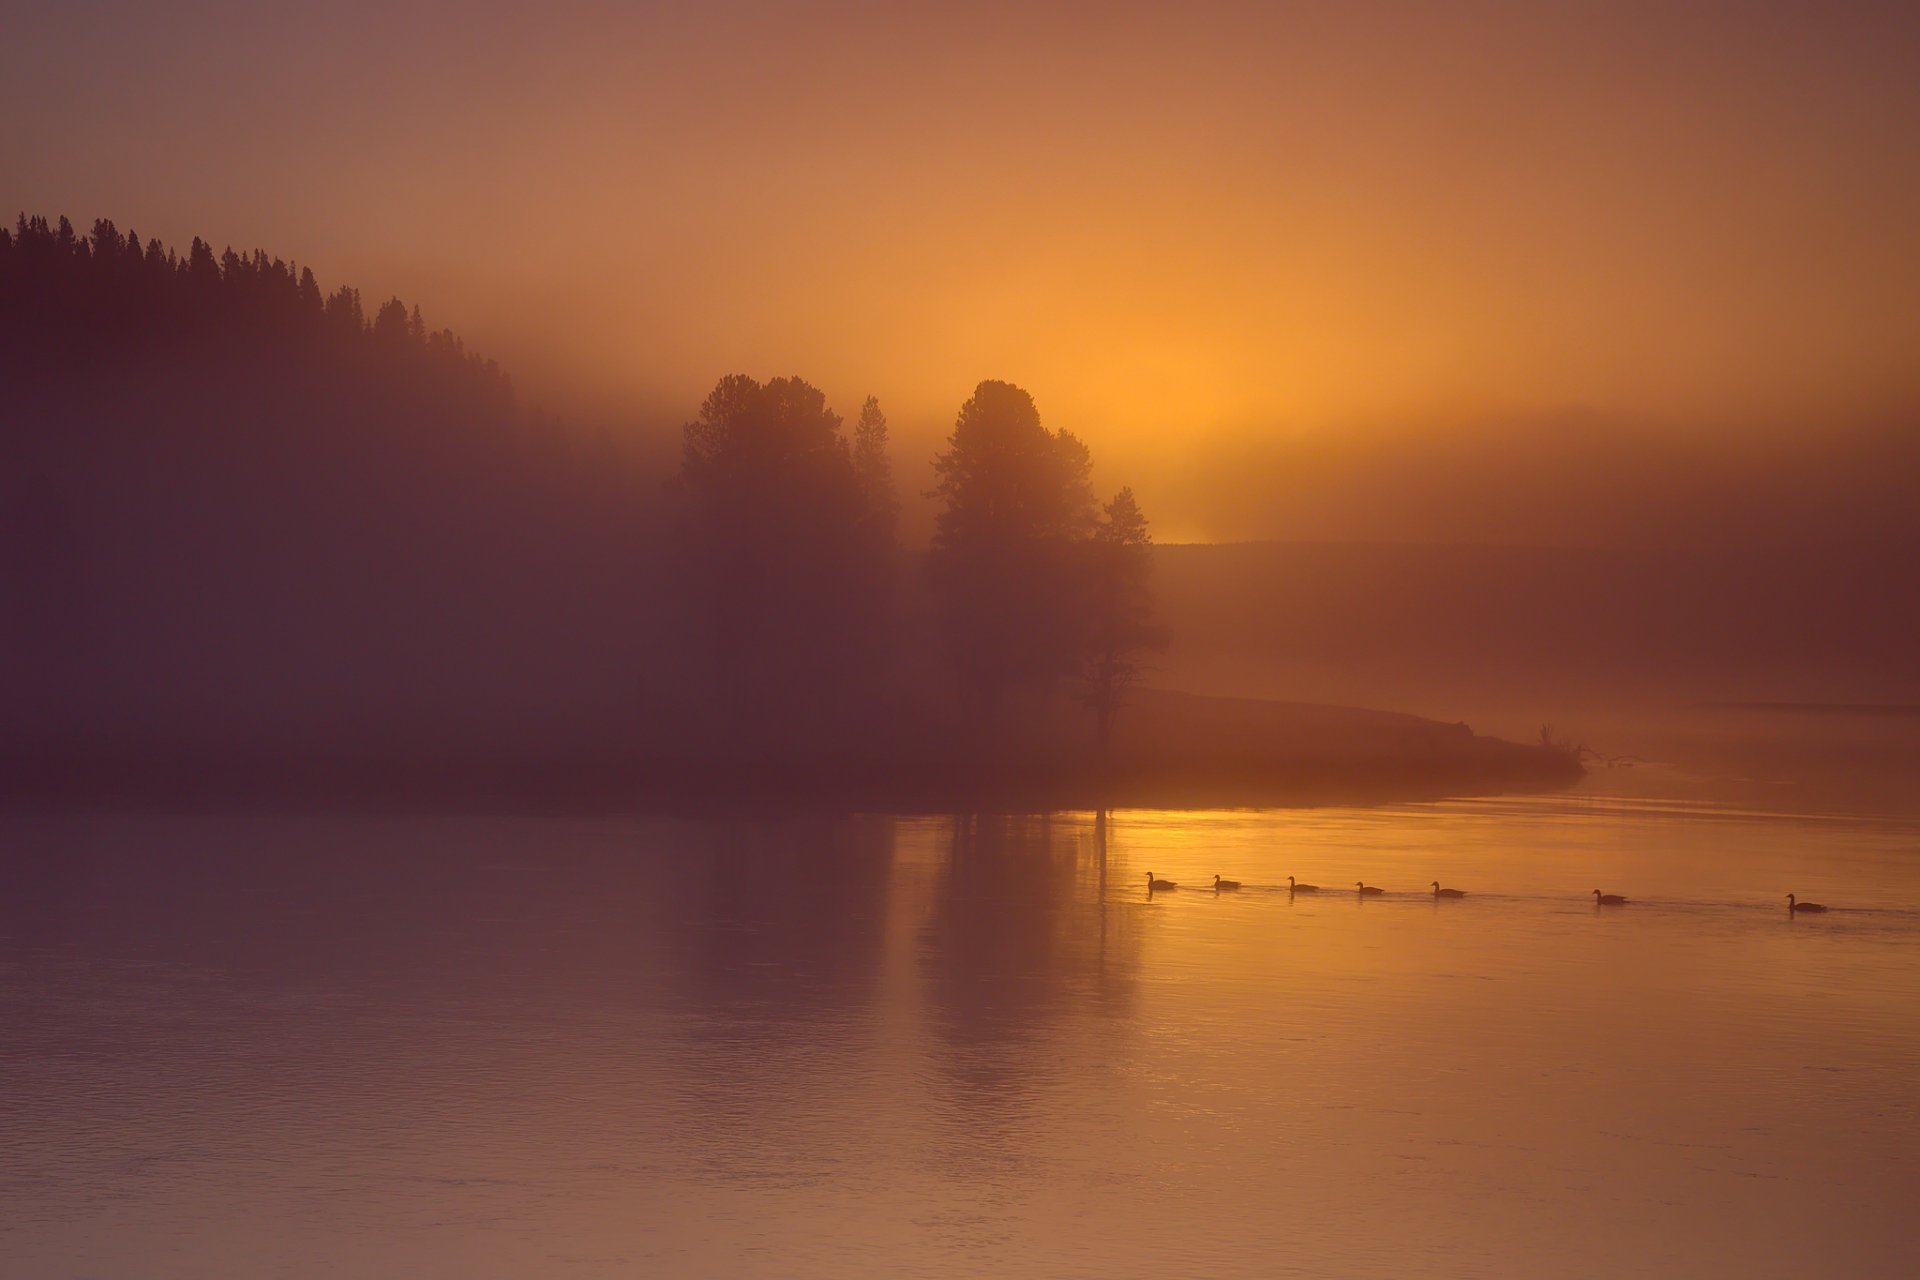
(784, 553)
(85, 300)
(232, 510)
(874, 468)
(1017, 505)
(243, 512)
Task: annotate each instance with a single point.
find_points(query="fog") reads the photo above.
(1545, 277)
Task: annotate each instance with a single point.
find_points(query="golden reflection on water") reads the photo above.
(970, 1046)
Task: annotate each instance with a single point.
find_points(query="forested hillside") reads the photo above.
(242, 512)
(262, 535)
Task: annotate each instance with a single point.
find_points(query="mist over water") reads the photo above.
(687, 641)
(975, 1046)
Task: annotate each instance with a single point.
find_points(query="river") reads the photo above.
(977, 1046)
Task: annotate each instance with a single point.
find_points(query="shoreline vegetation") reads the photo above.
(266, 542)
(1174, 751)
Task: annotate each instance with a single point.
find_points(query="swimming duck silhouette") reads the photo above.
(1364, 889)
(1224, 886)
(1301, 888)
(1795, 908)
(1438, 892)
(1608, 899)
(1153, 884)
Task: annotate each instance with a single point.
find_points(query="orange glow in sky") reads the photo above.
(1179, 227)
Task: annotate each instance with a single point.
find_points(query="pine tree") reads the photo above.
(1018, 506)
(874, 468)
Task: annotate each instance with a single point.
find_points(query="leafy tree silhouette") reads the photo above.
(1004, 565)
(784, 566)
(236, 507)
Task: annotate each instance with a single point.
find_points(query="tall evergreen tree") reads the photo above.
(874, 468)
(390, 323)
(1017, 505)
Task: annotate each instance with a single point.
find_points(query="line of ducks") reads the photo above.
(1365, 890)
(1154, 883)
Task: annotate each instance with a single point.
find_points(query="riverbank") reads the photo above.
(1169, 750)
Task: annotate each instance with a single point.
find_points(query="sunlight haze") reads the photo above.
(837, 641)
(1190, 233)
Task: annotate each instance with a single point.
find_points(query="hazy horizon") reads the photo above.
(825, 640)
(1674, 253)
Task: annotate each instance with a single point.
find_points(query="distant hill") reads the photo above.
(1525, 634)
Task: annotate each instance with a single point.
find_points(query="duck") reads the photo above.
(1301, 888)
(1364, 889)
(1608, 899)
(1438, 892)
(1224, 886)
(1794, 908)
(1153, 883)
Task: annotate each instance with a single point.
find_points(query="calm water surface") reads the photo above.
(939, 1047)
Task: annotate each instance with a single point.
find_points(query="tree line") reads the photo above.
(230, 497)
(788, 529)
(100, 292)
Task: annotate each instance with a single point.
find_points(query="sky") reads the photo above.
(1259, 256)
